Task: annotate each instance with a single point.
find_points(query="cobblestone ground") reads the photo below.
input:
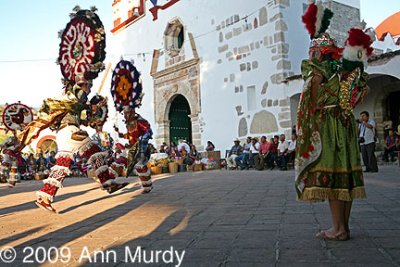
(219, 218)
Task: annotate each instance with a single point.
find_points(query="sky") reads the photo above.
(29, 42)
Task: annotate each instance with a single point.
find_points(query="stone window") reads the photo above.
(174, 37)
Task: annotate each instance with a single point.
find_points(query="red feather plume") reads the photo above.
(310, 18)
(357, 37)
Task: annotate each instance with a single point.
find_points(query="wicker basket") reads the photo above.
(173, 167)
(197, 167)
(40, 176)
(156, 170)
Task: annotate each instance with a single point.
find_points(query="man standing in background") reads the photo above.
(366, 139)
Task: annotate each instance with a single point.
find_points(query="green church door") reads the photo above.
(180, 126)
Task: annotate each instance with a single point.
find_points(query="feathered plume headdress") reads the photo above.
(317, 18)
(358, 45)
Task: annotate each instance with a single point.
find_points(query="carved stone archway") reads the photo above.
(163, 101)
(177, 74)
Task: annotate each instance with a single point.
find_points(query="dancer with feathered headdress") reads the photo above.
(327, 153)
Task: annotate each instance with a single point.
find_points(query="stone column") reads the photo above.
(196, 134)
(162, 134)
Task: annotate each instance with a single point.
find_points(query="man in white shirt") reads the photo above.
(366, 139)
(282, 152)
(254, 149)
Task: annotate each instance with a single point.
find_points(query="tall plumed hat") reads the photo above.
(358, 46)
(317, 19)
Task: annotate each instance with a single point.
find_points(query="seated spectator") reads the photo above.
(187, 160)
(242, 161)
(51, 160)
(166, 148)
(152, 149)
(173, 150)
(30, 166)
(183, 144)
(390, 146)
(387, 126)
(282, 152)
(162, 149)
(254, 150)
(291, 153)
(259, 159)
(272, 155)
(235, 151)
(40, 163)
(210, 146)
(194, 154)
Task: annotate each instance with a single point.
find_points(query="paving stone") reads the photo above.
(220, 218)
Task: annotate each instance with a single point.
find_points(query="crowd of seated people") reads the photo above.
(262, 154)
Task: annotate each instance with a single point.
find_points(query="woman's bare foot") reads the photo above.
(331, 235)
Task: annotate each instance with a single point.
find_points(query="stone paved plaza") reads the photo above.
(219, 218)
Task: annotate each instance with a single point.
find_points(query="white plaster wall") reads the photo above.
(388, 67)
(297, 36)
(218, 98)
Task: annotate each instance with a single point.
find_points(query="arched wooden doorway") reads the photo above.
(180, 126)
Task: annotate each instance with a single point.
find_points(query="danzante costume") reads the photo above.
(15, 117)
(327, 154)
(126, 89)
(81, 55)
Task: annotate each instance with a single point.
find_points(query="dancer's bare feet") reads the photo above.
(331, 235)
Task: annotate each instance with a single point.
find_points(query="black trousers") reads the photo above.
(389, 152)
(369, 159)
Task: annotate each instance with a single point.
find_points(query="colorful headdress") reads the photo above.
(358, 45)
(317, 19)
(16, 116)
(126, 86)
(82, 46)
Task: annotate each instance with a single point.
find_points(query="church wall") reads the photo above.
(242, 63)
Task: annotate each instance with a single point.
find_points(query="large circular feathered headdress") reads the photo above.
(82, 47)
(126, 86)
(16, 116)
